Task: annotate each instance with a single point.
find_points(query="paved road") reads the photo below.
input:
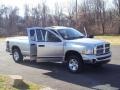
(57, 77)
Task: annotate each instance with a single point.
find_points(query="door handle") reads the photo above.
(32, 44)
(41, 45)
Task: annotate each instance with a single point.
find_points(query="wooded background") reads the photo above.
(92, 14)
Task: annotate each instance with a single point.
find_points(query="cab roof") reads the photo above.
(57, 27)
(52, 27)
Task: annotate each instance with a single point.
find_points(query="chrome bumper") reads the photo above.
(97, 59)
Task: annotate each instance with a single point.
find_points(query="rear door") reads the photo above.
(40, 43)
(32, 42)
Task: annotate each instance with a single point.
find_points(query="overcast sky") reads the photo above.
(32, 3)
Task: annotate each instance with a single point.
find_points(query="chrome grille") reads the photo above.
(107, 45)
(103, 49)
(100, 47)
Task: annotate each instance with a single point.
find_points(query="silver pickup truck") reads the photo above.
(59, 44)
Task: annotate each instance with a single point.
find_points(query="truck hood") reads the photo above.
(87, 42)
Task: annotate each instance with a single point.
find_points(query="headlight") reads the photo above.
(88, 51)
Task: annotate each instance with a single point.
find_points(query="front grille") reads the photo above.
(101, 58)
(100, 47)
(107, 45)
(107, 50)
(100, 51)
(103, 49)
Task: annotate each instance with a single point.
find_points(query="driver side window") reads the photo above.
(52, 38)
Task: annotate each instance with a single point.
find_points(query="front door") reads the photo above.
(32, 43)
(50, 48)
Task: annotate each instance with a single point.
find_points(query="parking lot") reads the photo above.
(57, 77)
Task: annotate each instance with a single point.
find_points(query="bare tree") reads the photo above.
(58, 14)
(13, 20)
(44, 13)
(117, 16)
(27, 16)
(91, 14)
(71, 14)
(117, 6)
(36, 15)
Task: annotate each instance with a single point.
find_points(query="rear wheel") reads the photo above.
(17, 56)
(74, 64)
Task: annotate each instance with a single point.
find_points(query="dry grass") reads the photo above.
(114, 40)
(2, 39)
(4, 85)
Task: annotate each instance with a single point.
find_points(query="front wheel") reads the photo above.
(17, 56)
(75, 64)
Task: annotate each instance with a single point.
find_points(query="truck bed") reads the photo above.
(21, 42)
(18, 38)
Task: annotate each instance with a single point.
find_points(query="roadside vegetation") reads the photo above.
(91, 14)
(4, 85)
(2, 39)
(114, 40)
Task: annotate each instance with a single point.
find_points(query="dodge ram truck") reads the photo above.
(59, 44)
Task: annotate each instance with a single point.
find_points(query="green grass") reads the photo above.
(4, 85)
(114, 40)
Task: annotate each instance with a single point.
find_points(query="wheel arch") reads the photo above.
(72, 52)
(20, 57)
(15, 47)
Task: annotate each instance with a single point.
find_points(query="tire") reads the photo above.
(75, 64)
(17, 56)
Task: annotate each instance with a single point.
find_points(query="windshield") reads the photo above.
(70, 33)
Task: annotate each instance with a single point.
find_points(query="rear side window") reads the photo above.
(32, 35)
(43, 33)
(39, 35)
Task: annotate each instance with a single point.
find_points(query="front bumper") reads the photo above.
(93, 59)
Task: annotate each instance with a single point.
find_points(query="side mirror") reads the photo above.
(90, 36)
